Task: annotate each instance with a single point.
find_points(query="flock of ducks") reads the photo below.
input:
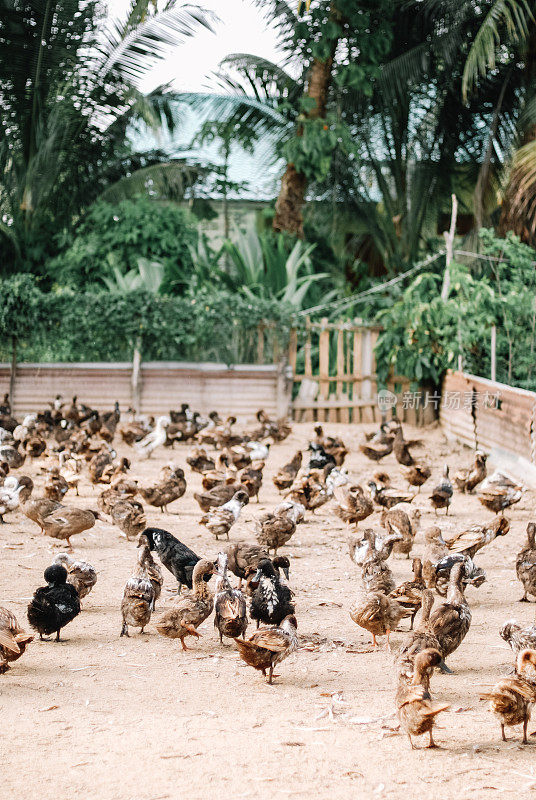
(65, 442)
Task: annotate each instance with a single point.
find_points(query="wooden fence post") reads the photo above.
(357, 374)
(344, 413)
(324, 366)
(308, 369)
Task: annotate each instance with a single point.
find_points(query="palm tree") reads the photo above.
(69, 91)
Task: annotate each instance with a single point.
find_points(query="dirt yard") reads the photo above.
(97, 716)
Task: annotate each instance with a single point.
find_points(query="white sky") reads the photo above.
(242, 29)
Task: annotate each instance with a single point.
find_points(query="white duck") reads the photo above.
(9, 496)
(153, 439)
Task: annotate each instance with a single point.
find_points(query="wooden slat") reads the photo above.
(344, 414)
(323, 363)
(357, 374)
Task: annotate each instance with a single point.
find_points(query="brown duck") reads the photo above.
(269, 646)
(526, 564)
(512, 698)
(468, 479)
(451, 620)
(285, 477)
(415, 708)
(186, 614)
(165, 492)
(13, 640)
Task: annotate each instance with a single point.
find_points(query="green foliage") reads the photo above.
(312, 151)
(424, 335)
(112, 239)
(213, 325)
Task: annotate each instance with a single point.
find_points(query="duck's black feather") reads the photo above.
(174, 555)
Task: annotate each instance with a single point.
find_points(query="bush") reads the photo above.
(117, 236)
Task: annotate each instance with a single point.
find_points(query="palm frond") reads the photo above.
(167, 181)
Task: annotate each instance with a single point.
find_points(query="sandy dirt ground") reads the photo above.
(97, 716)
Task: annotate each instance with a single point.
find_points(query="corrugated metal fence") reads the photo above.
(485, 414)
(240, 390)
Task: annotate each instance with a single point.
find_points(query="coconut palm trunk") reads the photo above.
(288, 207)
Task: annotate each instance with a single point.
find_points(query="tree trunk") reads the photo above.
(288, 207)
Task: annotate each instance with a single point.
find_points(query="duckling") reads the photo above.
(409, 593)
(397, 521)
(388, 497)
(174, 555)
(512, 698)
(56, 487)
(145, 447)
(352, 505)
(138, 600)
(497, 498)
(415, 708)
(185, 616)
(13, 640)
(333, 446)
(199, 461)
(217, 496)
(251, 479)
(526, 564)
(451, 620)
(129, 517)
(154, 573)
(517, 637)
(416, 475)
(66, 521)
(242, 556)
(476, 537)
(230, 617)
(468, 479)
(219, 521)
(285, 477)
(165, 492)
(55, 605)
(275, 529)
(79, 573)
(376, 613)
(441, 496)
(272, 600)
(269, 646)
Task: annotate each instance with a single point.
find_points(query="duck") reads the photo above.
(157, 437)
(10, 494)
(219, 521)
(441, 496)
(11, 455)
(285, 477)
(469, 542)
(13, 639)
(440, 572)
(377, 451)
(55, 605)
(418, 639)
(409, 593)
(497, 498)
(55, 487)
(377, 575)
(319, 459)
(269, 646)
(416, 475)
(165, 492)
(34, 446)
(272, 600)
(310, 490)
(332, 445)
(154, 573)
(242, 556)
(517, 637)
(435, 547)
(451, 620)
(199, 461)
(273, 530)
(468, 479)
(217, 496)
(526, 564)
(185, 616)
(230, 618)
(251, 479)
(36, 509)
(129, 516)
(259, 451)
(388, 497)
(81, 574)
(174, 555)
(206, 436)
(396, 520)
(138, 600)
(109, 423)
(222, 474)
(371, 546)
(67, 521)
(352, 504)
(415, 708)
(376, 613)
(401, 449)
(98, 465)
(512, 698)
